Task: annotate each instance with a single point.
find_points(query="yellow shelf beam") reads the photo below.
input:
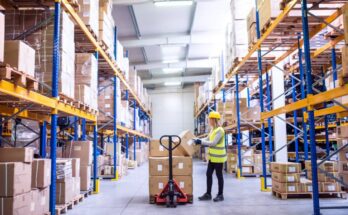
(112, 64)
(8, 111)
(19, 92)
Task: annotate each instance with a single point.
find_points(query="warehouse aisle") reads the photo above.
(130, 196)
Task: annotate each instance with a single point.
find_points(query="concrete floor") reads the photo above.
(130, 196)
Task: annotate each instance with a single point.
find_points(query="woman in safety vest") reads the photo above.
(217, 156)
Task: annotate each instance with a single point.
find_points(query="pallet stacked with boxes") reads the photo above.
(285, 178)
(25, 182)
(182, 165)
(342, 141)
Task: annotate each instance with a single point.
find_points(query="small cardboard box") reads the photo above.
(306, 186)
(286, 178)
(232, 158)
(80, 149)
(187, 145)
(85, 175)
(65, 191)
(342, 131)
(329, 166)
(75, 163)
(286, 187)
(343, 154)
(285, 167)
(159, 166)
(344, 177)
(20, 204)
(157, 183)
(43, 201)
(247, 161)
(342, 167)
(64, 169)
(25, 154)
(157, 150)
(15, 178)
(329, 187)
(247, 169)
(41, 173)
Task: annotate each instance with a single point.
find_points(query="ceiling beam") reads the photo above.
(184, 79)
(201, 63)
(180, 39)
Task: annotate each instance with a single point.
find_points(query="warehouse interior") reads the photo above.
(173, 107)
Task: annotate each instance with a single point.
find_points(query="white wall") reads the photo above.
(172, 111)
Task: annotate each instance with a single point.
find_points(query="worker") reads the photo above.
(217, 156)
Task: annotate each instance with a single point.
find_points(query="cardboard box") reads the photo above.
(286, 167)
(80, 149)
(64, 169)
(75, 162)
(247, 161)
(247, 170)
(286, 178)
(2, 36)
(329, 187)
(345, 23)
(15, 178)
(43, 201)
(342, 167)
(342, 131)
(329, 166)
(41, 173)
(306, 186)
(20, 55)
(160, 166)
(344, 177)
(343, 154)
(187, 143)
(322, 177)
(25, 154)
(232, 157)
(17, 205)
(251, 18)
(85, 175)
(157, 150)
(157, 183)
(76, 186)
(286, 187)
(65, 191)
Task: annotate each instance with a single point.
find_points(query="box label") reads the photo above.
(159, 167)
(331, 188)
(77, 148)
(291, 178)
(292, 169)
(291, 188)
(161, 148)
(309, 188)
(182, 184)
(181, 165)
(160, 185)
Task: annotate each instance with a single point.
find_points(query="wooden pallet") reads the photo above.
(152, 199)
(285, 196)
(66, 100)
(63, 208)
(87, 193)
(79, 198)
(17, 77)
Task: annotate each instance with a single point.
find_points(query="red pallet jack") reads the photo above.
(171, 195)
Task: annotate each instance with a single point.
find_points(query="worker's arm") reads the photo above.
(206, 142)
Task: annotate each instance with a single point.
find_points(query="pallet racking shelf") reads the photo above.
(29, 104)
(292, 33)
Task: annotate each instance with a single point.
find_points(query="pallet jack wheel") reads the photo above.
(190, 199)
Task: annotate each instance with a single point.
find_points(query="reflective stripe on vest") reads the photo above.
(217, 153)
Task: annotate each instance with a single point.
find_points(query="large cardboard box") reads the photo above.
(157, 183)
(342, 131)
(76, 186)
(20, 55)
(329, 166)
(15, 178)
(286, 187)
(157, 150)
(187, 144)
(159, 166)
(85, 175)
(41, 173)
(2, 36)
(322, 177)
(89, 13)
(75, 167)
(285, 167)
(343, 154)
(80, 149)
(17, 205)
(64, 169)
(286, 178)
(344, 51)
(43, 201)
(24, 154)
(65, 191)
(306, 186)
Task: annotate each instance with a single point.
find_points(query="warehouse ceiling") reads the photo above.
(172, 44)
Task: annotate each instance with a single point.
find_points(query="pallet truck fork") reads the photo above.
(171, 194)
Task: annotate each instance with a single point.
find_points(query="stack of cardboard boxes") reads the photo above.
(89, 13)
(83, 151)
(106, 25)
(24, 187)
(286, 177)
(251, 25)
(326, 183)
(342, 141)
(182, 165)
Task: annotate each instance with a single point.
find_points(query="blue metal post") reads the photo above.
(134, 127)
(43, 139)
(248, 93)
(83, 130)
(222, 67)
(115, 43)
(259, 63)
(334, 65)
(295, 117)
(95, 161)
(115, 126)
(326, 121)
(76, 128)
(311, 120)
(127, 145)
(303, 96)
(239, 171)
(269, 120)
(55, 71)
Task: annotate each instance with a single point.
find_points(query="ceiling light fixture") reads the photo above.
(169, 3)
(172, 70)
(172, 83)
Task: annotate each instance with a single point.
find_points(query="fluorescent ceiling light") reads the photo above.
(171, 61)
(172, 70)
(172, 83)
(169, 3)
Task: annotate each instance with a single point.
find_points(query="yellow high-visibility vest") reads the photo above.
(217, 153)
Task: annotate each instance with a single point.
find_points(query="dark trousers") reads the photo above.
(218, 167)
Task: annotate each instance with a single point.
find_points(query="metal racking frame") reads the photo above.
(55, 107)
(309, 97)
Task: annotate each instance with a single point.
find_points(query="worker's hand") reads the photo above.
(197, 141)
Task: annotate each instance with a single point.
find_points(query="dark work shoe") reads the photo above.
(205, 197)
(219, 198)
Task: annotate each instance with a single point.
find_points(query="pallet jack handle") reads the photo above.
(171, 139)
